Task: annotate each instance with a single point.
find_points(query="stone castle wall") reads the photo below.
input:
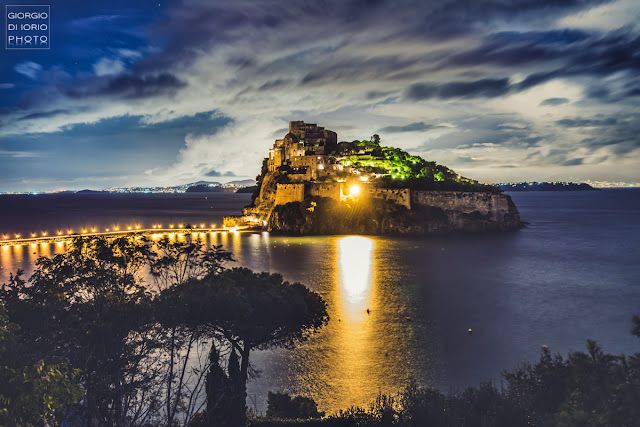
(287, 193)
(464, 202)
(331, 190)
(296, 192)
(400, 196)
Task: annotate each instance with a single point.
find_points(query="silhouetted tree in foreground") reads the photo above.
(88, 328)
(250, 311)
(589, 388)
(281, 405)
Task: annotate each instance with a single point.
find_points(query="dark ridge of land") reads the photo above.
(249, 190)
(203, 188)
(546, 186)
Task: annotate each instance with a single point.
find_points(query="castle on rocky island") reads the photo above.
(310, 180)
(304, 147)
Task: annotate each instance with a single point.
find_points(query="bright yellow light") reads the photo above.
(5, 237)
(69, 231)
(33, 234)
(129, 228)
(59, 233)
(137, 227)
(355, 263)
(171, 226)
(107, 229)
(364, 178)
(181, 226)
(116, 228)
(17, 236)
(93, 230)
(44, 233)
(84, 231)
(354, 190)
(213, 226)
(201, 225)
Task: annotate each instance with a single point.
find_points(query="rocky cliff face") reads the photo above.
(431, 212)
(266, 200)
(466, 211)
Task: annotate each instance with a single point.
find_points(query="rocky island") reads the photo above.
(313, 184)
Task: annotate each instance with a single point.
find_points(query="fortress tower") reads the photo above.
(303, 140)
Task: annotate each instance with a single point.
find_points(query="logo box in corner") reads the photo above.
(28, 27)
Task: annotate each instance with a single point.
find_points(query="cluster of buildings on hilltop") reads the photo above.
(309, 153)
(307, 150)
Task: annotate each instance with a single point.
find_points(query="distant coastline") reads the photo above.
(241, 186)
(546, 186)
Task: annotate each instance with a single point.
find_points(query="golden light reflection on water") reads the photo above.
(355, 301)
(369, 345)
(355, 261)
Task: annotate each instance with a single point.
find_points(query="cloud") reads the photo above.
(107, 67)
(129, 54)
(554, 101)
(28, 68)
(215, 173)
(128, 86)
(44, 114)
(374, 94)
(573, 162)
(18, 154)
(274, 84)
(413, 127)
(581, 122)
(353, 66)
(6, 85)
(484, 88)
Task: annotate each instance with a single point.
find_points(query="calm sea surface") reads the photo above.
(573, 273)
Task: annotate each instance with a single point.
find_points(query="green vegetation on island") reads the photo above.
(390, 167)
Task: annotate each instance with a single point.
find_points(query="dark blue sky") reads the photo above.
(163, 93)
